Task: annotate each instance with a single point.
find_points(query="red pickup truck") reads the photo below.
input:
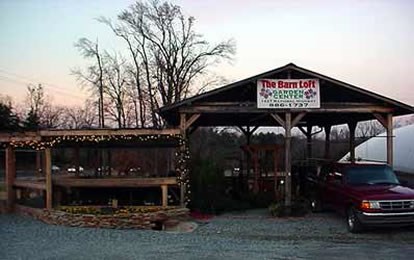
(367, 194)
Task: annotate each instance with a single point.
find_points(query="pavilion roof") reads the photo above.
(235, 104)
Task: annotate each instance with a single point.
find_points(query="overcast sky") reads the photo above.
(365, 43)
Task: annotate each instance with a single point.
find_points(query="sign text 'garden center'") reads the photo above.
(288, 93)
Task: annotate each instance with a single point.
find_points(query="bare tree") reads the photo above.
(339, 133)
(167, 54)
(35, 98)
(51, 116)
(94, 75)
(33, 110)
(369, 129)
(80, 117)
(40, 111)
(116, 79)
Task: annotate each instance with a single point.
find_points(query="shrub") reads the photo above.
(277, 209)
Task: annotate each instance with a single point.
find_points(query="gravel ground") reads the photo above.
(249, 235)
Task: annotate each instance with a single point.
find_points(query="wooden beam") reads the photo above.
(254, 104)
(383, 120)
(303, 130)
(278, 119)
(254, 129)
(244, 131)
(256, 118)
(37, 136)
(4, 137)
(252, 110)
(240, 104)
(164, 190)
(297, 119)
(390, 148)
(182, 123)
(191, 120)
(48, 173)
(30, 184)
(192, 129)
(10, 171)
(113, 182)
(248, 132)
(19, 137)
(107, 132)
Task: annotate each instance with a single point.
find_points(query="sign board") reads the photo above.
(288, 93)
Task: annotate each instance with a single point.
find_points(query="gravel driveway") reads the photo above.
(250, 235)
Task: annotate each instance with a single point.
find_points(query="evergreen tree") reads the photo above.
(8, 120)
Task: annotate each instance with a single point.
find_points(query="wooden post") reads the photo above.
(327, 141)
(386, 122)
(352, 127)
(184, 125)
(308, 134)
(287, 125)
(48, 172)
(288, 160)
(10, 177)
(182, 150)
(275, 153)
(57, 196)
(256, 171)
(77, 156)
(308, 141)
(248, 135)
(39, 164)
(164, 189)
(244, 182)
(109, 154)
(390, 153)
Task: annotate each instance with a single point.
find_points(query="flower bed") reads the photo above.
(96, 210)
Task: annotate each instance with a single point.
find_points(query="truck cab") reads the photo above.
(367, 194)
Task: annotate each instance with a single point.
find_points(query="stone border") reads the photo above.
(152, 220)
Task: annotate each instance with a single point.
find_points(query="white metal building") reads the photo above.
(375, 149)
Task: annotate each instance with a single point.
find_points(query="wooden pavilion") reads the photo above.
(45, 140)
(235, 104)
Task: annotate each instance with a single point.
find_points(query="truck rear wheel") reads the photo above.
(353, 223)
